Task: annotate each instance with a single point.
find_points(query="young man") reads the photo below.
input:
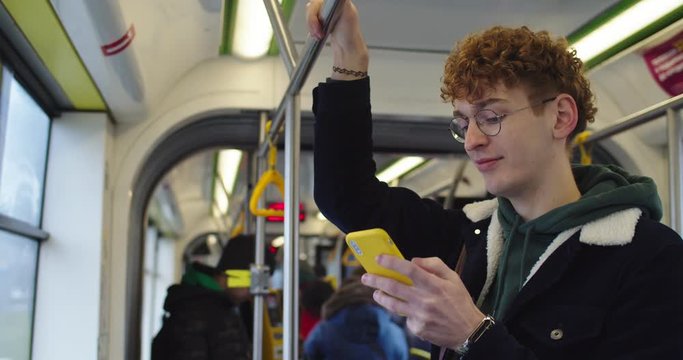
(566, 263)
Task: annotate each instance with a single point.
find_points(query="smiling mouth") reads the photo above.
(486, 161)
(486, 164)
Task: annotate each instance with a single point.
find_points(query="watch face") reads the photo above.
(484, 325)
(462, 349)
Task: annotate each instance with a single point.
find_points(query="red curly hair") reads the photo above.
(513, 57)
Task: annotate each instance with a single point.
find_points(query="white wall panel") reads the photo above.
(69, 272)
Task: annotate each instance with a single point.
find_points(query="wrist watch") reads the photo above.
(484, 325)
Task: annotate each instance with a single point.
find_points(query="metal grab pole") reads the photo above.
(675, 137)
(636, 119)
(291, 246)
(330, 12)
(459, 172)
(282, 34)
(290, 105)
(260, 249)
(251, 171)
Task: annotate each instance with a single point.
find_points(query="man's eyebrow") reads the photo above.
(480, 104)
(486, 102)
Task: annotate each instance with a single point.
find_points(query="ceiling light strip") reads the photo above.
(615, 15)
(400, 168)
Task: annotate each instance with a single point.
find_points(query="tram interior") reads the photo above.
(173, 75)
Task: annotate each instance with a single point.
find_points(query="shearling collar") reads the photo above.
(612, 230)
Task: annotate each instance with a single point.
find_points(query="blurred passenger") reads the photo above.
(313, 296)
(320, 271)
(355, 327)
(277, 278)
(203, 319)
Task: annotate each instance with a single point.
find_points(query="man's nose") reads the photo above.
(474, 137)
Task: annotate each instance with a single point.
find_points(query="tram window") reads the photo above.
(24, 136)
(23, 151)
(18, 257)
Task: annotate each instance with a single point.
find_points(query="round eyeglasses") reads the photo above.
(488, 121)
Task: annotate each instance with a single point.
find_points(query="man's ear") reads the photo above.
(566, 116)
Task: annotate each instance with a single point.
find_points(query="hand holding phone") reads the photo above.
(368, 244)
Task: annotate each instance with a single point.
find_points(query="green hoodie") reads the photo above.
(605, 189)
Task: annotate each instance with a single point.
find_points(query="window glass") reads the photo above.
(22, 166)
(18, 257)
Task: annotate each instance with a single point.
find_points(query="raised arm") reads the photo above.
(346, 189)
(348, 45)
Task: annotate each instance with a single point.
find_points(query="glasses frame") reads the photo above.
(499, 119)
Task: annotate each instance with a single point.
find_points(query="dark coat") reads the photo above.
(610, 289)
(200, 324)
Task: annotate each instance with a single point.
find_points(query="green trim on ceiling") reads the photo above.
(600, 19)
(287, 9)
(641, 35)
(612, 12)
(229, 13)
(42, 28)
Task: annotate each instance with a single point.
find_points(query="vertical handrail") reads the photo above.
(457, 177)
(290, 105)
(329, 14)
(260, 249)
(291, 246)
(674, 148)
(251, 171)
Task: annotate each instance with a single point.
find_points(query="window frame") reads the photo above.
(9, 223)
(23, 229)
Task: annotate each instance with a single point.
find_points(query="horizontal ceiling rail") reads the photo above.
(638, 118)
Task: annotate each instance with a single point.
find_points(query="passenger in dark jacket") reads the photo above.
(566, 262)
(355, 327)
(202, 320)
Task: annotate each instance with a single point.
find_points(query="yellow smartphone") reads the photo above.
(368, 244)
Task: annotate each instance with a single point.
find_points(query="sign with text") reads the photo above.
(665, 62)
(281, 206)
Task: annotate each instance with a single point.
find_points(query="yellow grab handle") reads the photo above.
(239, 227)
(270, 176)
(580, 140)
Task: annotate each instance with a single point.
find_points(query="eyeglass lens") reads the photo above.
(487, 121)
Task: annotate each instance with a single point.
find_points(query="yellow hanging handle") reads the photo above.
(239, 227)
(270, 176)
(580, 141)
